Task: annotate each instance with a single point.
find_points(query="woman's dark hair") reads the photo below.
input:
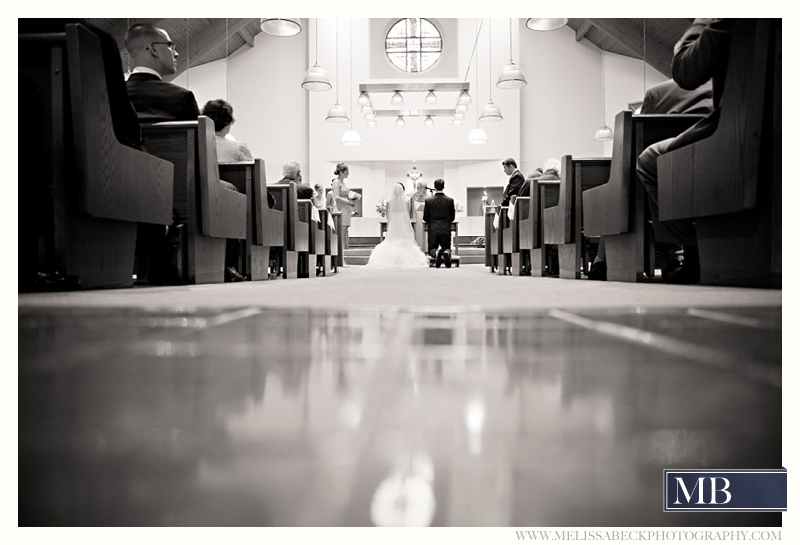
(220, 112)
(341, 167)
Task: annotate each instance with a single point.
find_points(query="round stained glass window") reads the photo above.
(413, 44)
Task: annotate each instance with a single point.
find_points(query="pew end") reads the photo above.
(79, 211)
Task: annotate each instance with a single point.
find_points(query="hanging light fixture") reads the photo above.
(511, 76)
(545, 24)
(490, 113)
(369, 116)
(351, 137)
(430, 98)
(400, 122)
(461, 107)
(315, 78)
(477, 135)
(464, 97)
(275, 26)
(397, 99)
(372, 123)
(367, 109)
(428, 121)
(363, 99)
(456, 122)
(458, 115)
(337, 113)
(604, 133)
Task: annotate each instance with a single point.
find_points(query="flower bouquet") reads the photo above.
(380, 208)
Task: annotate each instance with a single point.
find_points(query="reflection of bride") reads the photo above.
(398, 250)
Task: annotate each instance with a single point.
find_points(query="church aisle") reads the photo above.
(178, 414)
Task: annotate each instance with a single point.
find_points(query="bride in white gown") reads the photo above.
(398, 250)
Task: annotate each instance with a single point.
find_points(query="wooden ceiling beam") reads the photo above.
(248, 38)
(212, 35)
(626, 35)
(582, 29)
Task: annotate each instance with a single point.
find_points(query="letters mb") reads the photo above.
(709, 490)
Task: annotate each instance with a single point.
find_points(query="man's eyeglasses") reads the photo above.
(171, 45)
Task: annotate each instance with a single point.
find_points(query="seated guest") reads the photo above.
(291, 173)
(319, 197)
(154, 56)
(525, 190)
(667, 98)
(664, 98)
(330, 203)
(699, 56)
(228, 150)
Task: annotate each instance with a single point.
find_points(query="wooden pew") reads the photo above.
(316, 239)
(730, 182)
(211, 212)
(490, 238)
(618, 210)
(563, 222)
(326, 263)
(87, 190)
(264, 225)
(295, 241)
(521, 237)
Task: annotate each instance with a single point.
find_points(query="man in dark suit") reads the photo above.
(667, 98)
(291, 173)
(515, 182)
(699, 56)
(439, 213)
(153, 56)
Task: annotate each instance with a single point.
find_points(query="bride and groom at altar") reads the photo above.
(399, 250)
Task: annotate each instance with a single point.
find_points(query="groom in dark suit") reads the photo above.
(439, 213)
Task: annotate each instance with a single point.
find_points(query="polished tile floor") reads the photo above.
(252, 416)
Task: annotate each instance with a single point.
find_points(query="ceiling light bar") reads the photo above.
(454, 86)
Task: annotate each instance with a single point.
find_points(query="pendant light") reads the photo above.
(351, 137)
(428, 122)
(430, 98)
(315, 78)
(511, 76)
(477, 135)
(456, 122)
(275, 26)
(464, 97)
(337, 113)
(372, 123)
(604, 133)
(490, 113)
(397, 99)
(400, 122)
(545, 24)
(363, 99)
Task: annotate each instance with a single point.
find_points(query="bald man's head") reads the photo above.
(151, 46)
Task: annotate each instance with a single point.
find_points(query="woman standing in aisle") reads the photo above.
(341, 196)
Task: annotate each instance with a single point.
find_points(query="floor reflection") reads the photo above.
(298, 418)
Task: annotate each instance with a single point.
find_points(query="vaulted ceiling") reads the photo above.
(200, 41)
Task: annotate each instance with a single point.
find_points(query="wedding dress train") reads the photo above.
(399, 250)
